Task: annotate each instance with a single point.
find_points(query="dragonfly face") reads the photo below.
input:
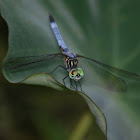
(76, 74)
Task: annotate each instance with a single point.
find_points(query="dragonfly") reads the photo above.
(78, 67)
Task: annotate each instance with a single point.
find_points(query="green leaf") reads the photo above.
(107, 31)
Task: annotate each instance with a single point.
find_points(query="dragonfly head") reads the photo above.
(76, 74)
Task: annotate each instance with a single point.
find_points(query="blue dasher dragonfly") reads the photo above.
(78, 67)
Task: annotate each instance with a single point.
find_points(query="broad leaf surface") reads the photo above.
(106, 31)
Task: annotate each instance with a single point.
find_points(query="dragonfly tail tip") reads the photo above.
(51, 18)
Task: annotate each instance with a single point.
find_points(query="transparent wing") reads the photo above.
(112, 69)
(94, 75)
(102, 75)
(17, 69)
(21, 62)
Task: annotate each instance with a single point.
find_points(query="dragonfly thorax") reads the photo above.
(71, 63)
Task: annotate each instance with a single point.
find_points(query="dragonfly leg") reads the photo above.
(76, 85)
(64, 79)
(58, 67)
(71, 85)
(80, 86)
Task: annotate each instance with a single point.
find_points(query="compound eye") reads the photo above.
(72, 73)
(80, 71)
